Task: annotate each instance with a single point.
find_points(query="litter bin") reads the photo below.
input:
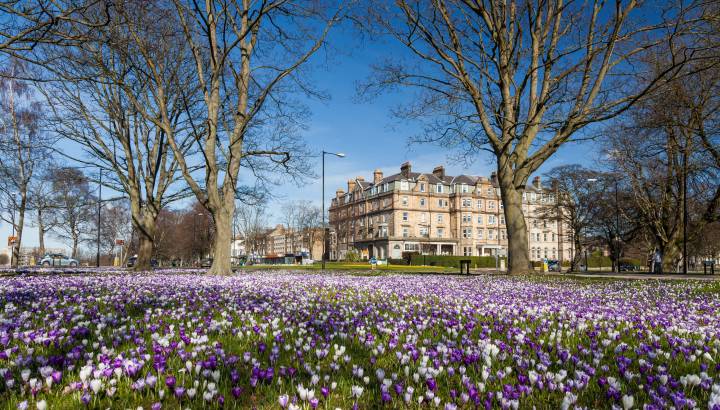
(709, 265)
(465, 266)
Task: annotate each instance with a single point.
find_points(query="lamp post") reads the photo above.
(324, 236)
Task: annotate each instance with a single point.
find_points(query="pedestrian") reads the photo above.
(657, 260)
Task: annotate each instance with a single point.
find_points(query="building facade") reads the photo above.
(281, 241)
(437, 214)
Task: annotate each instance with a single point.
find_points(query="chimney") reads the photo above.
(361, 179)
(351, 185)
(405, 169)
(536, 182)
(339, 193)
(493, 178)
(377, 176)
(439, 171)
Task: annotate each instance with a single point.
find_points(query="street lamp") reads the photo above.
(339, 155)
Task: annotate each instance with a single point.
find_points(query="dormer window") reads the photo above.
(422, 187)
(439, 188)
(403, 185)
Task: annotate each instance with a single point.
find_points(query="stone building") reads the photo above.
(437, 214)
(281, 241)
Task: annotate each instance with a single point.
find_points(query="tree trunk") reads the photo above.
(41, 232)
(145, 226)
(518, 260)
(577, 255)
(145, 251)
(74, 246)
(223, 237)
(19, 233)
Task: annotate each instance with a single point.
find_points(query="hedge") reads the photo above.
(453, 261)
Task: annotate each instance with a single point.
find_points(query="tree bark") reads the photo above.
(41, 232)
(518, 260)
(19, 233)
(223, 237)
(146, 226)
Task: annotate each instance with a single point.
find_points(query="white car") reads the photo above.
(57, 260)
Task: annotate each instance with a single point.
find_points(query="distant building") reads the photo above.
(436, 214)
(281, 241)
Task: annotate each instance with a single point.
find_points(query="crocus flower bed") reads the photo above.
(284, 340)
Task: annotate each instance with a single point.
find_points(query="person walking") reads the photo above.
(657, 261)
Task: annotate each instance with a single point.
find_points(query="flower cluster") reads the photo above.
(306, 341)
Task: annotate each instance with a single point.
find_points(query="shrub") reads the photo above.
(397, 261)
(453, 261)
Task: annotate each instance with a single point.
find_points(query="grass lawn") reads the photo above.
(349, 266)
(305, 339)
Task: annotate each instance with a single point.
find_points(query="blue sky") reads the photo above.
(366, 132)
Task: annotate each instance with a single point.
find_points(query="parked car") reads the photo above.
(628, 267)
(133, 259)
(57, 259)
(206, 263)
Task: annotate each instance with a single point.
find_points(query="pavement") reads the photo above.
(629, 275)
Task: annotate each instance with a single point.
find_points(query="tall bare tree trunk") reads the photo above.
(146, 226)
(20, 226)
(41, 232)
(222, 217)
(518, 260)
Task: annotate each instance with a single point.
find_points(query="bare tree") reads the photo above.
(518, 79)
(29, 23)
(251, 221)
(22, 149)
(92, 108)
(575, 204)
(246, 64)
(667, 149)
(75, 203)
(43, 202)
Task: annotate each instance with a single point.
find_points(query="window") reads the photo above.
(412, 247)
(491, 219)
(546, 253)
(404, 201)
(467, 218)
(467, 251)
(440, 203)
(440, 232)
(479, 233)
(554, 253)
(403, 185)
(406, 232)
(503, 234)
(502, 206)
(466, 202)
(423, 230)
(422, 201)
(423, 217)
(491, 233)
(467, 232)
(422, 187)
(479, 204)
(489, 191)
(439, 188)
(405, 216)
(464, 188)
(385, 218)
(491, 204)
(553, 237)
(502, 219)
(440, 218)
(479, 219)
(545, 237)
